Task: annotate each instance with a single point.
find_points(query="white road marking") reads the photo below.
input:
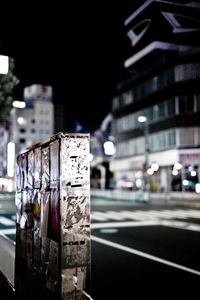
(6, 221)
(137, 215)
(180, 225)
(99, 216)
(109, 230)
(114, 215)
(172, 224)
(143, 254)
(176, 214)
(143, 215)
(194, 213)
(8, 231)
(159, 214)
(123, 224)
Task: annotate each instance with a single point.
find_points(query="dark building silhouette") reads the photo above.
(59, 117)
(163, 85)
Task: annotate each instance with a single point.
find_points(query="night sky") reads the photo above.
(78, 49)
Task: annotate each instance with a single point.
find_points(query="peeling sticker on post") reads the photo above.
(30, 168)
(18, 204)
(38, 166)
(75, 164)
(45, 168)
(68, 284)
(25, 171)
(55, 165)
(44, 220)
(19, 173)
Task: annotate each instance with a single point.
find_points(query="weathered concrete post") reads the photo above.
(53, 218)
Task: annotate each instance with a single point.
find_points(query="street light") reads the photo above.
(144, 120)
(109, 148)
(10, 159)
(4, 64)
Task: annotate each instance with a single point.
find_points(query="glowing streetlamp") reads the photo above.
(4, 64)
(10, 159)
(109, 148)
(144, 120)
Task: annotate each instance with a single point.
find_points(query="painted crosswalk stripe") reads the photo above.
(14, 217)
(145, 215)
(114, 215)
(167, 223)
(132, 215)
(8, 231)
(7, 222)
(181, 225)
(99, 216)
(123, 224)
(138, 215)
(159, 214)
(180, 213)
(176, 214)
(194, 213)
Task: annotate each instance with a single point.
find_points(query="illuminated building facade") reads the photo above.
(163, 84)
(35, 122)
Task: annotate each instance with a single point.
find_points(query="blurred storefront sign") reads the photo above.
(193, 158)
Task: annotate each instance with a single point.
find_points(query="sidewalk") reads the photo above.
(134, 197)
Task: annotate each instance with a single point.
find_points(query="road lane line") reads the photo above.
(6, 221)
(143, 254)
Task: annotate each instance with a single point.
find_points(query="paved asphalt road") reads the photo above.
(138, 250)
(144, 251)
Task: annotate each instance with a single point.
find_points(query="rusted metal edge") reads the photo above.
(55, 137)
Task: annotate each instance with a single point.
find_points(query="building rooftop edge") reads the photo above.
(148, 2)
(157, 45)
